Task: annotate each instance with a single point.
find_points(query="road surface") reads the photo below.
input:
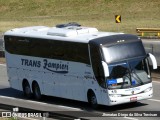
(13, 97)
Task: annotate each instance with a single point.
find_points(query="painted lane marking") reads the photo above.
(69, 107)
(26, 118)
(22, 100)
(36, 102)
(156, 81)
(130, 118)
(3, 65)
(154, 100)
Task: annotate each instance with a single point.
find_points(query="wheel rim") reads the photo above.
(93, 100)
(27, 90)
(37, 92)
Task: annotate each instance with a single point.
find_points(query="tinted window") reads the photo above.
(124, 51)
(14, 45)
(97, 65)
(62, 50)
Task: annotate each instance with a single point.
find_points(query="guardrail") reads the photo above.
(148, 30)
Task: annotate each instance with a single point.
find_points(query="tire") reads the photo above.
(27, 90)
(37, 91)
(134, 103)
(92, 100)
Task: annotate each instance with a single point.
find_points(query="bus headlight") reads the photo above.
(148, 89)
(115, 95)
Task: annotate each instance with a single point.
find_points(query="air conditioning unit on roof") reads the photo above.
(70, 30)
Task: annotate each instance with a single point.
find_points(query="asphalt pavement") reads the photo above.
(75, 109)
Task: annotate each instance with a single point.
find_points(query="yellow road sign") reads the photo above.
(118, 18)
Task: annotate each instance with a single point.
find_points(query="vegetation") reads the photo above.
(96, 13)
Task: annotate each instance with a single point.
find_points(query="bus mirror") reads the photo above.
(105, 68)
(153, 59)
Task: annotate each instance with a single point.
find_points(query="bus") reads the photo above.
(79, 63)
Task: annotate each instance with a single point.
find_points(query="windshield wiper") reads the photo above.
(137, 77)
(127, 75)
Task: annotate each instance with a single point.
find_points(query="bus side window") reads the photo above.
(57, 50)
(10, 45)
(97, 66)
(17, 45)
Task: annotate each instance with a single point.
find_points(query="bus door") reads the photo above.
(97, 67)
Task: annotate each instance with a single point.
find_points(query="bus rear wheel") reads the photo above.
(36, 91)
(27, 90)
(92, 100)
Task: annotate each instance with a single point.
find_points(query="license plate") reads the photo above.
(133, 99)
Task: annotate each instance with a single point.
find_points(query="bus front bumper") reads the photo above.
(115, 99)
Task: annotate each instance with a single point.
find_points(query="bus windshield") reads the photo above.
(122, 51)
(128, 73)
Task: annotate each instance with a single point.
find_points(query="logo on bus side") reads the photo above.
(55, 67)
(50, 66)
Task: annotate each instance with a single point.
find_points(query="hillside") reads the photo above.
(96, 13)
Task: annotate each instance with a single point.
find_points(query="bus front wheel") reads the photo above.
(92, 100)
(36, 91)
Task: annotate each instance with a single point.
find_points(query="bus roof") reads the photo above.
(67, 33)
(115, 39)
